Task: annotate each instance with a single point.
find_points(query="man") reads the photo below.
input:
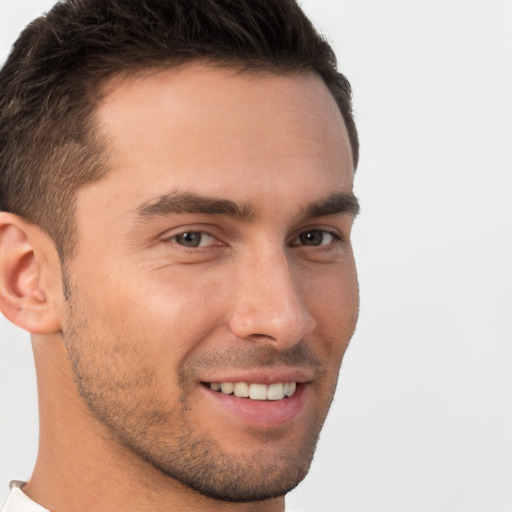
(176, 187)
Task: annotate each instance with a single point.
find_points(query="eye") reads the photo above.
(193, 239)
(315, 237)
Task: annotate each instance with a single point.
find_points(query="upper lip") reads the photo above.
(262, 376)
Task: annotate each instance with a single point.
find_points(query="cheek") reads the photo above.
(332, 297)
(172, 311)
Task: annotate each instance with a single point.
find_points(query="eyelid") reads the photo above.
(334, 233)
(205, 239)
(170, 235)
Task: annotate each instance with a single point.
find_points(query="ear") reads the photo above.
(30, 276)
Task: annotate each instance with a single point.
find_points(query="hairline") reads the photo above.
(98, 141)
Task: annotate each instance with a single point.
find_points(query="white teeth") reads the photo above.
(227, 388)
(275, 392)
(256, 391)
(241, 389)
(290, 388)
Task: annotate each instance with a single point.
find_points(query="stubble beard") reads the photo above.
(129, 407)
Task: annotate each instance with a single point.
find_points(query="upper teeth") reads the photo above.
(256, 391)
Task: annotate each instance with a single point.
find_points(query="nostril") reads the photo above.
(262, 336)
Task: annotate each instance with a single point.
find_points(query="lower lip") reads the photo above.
(261, 413)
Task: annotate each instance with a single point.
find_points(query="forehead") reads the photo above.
(222, 132)
(208, 90)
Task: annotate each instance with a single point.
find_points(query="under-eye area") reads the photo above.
(255, 391)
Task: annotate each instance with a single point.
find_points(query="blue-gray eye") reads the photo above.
(193, 239)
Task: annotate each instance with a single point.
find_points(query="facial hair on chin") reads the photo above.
(164, 436)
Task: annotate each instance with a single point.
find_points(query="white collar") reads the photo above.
(18, 501)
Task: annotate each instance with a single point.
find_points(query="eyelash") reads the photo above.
(335, 238)
(202, 234)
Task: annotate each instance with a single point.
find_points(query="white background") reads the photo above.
(422, 420)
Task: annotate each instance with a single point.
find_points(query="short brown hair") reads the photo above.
(53, 80)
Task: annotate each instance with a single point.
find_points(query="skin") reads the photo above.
(269, 294)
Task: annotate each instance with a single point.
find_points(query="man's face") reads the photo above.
(216, 253)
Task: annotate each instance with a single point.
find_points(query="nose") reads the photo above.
(268, 305)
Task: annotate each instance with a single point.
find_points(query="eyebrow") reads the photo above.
(187, 202)
(178, 203)
(335, 204)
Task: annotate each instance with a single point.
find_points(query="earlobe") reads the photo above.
(27, 298)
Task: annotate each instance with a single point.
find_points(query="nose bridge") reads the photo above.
(268, 303)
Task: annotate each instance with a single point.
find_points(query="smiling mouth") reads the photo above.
(255, 391)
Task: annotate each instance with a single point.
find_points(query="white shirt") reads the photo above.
(18, 501)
